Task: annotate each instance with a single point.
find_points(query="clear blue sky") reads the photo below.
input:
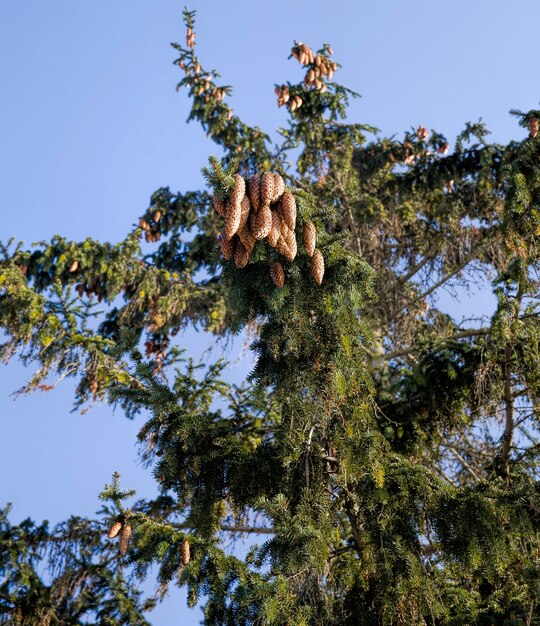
(91, 125)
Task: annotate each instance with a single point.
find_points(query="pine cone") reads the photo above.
(422, 133)
(310, 238)
(275, 231)
(279, 187)
(247, 239)
(241, 255)
(239, 190)
(219, 205)
(115, 528)
(254, 190)
(534, 126)
(245, 208)
(227, 247)
(267, 188)
(317, 266)
(291, 244)
(185, 552)
(232, 219)
(288, 209)
(261, 223)
(125, 537)
(287, 246)
(73, 267)
(94, 385)
(277, 274)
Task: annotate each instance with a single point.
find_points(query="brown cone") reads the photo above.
(241, 255)
(245, 208)
(232, 219)
(74, 266)
(292, 246)
(317, 266)
(254, 190)
(288, 209)
(219, 205)
(227, 247)
(277, 274)
(267, 188)
(310, 238)
(279, 187)
(261, 223)
(534, 126)
(239, 190)
(247, 239)
(125, 537)
(185, 552)
(275, 231)
(115, 529)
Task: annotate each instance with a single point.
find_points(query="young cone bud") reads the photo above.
(288, 209)
(267, 188)
(115, 528)
(125, 537)
(279, 187)
(227, 247)
(232, 219)
(185, 552)
(241, 255)
(275, 231)
(261, 222)
(317, 266)
(254, 190)
(277, 274)
(310, 238)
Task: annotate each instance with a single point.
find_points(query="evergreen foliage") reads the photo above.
(387, 452)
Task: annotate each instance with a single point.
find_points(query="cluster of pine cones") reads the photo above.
(262, 209)
(319, 66)
(121, 528)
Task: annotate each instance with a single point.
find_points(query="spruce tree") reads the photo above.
(385, 453)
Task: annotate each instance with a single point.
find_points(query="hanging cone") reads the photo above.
(279, 187)
(277, 274)
(185, 552)
(275, 231)
(125, 537)
(254, 187)
(317, 266)
(241, 255)
(309, 238)
(239, 190)
(245, 208)
(288, 209)
(115, 528)
(422, 133)
(267, 188)
(227, 247)
(292, 246)
(533, 126)
(219, 205)
(247, 239)
(232, 219)
(73, 267)
(261, 223)
(287, 247)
